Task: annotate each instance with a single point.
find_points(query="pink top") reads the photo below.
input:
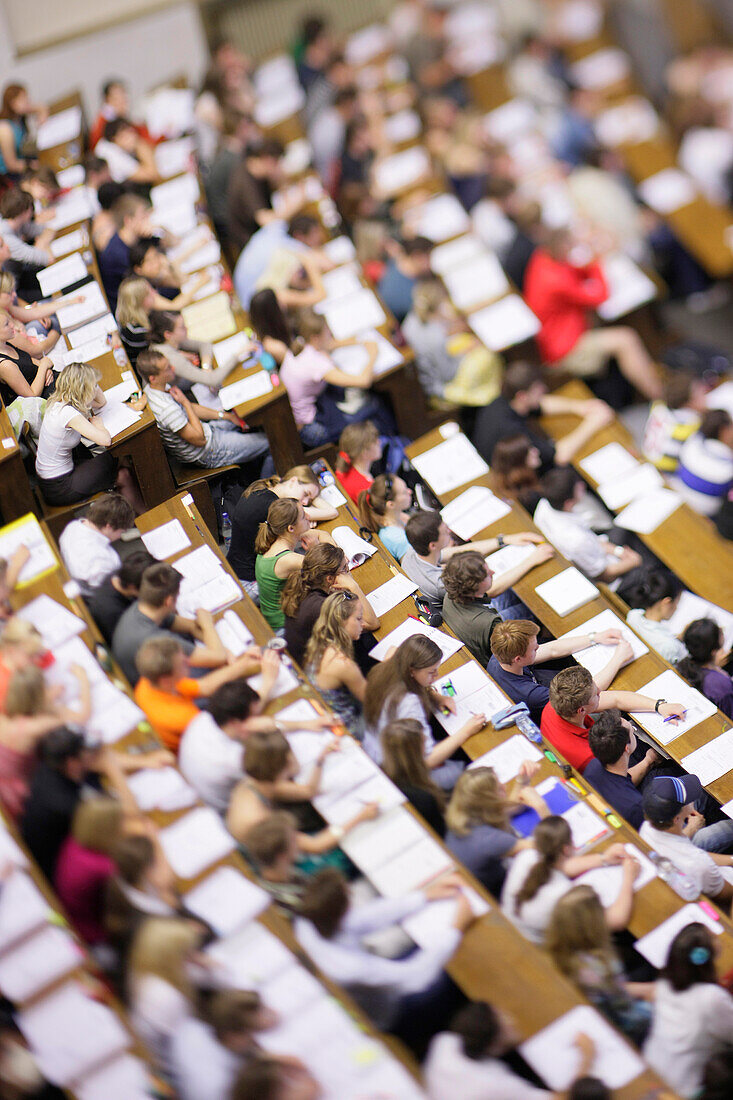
(81, 879)
(303, 377)
(16, 769)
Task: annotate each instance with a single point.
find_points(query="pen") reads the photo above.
(675, 717)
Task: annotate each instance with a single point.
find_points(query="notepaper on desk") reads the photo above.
(66, 272)
(353, 314)
(474, 510)
(373, 843)
(102, 326)
(340, 250)
(161, 789)
(454, 254)
(27, 532)
(711, 760)
(117, 417)
(480, 280)
(511, 120)
(655, 945)
(448, 645)
(450, 464)
(412, 869)
(178, 218)
(125, 1078)
(249, 958)
(507, 758)
(235, 349)
(354, 358)
(632, 121)
(168, 539)
(37, 963)
(72, 208)
(70, 242)
(473, 693)
(291, 991)
(209, 253)
(356, 549)
(211, 319)
(607, 881)
(340, 282)
(553, 1055)
(23, 907)
(649, 511)
(619, 491)
(59, 128)
(390, 594)
(227, 900)
(400, 170)
(595, 657)
(286, 681)
(70, 177)
(210, 592)
(674, 689)
(668, 190)
(54, 622)
(233, 634)
(339, 809)
(173, 157)
(85, 353)
(567, 591)
(601, 69)
(501, 561)
(195, 841)
(505, 323)
(245, 389)
(610, 461)
(429, 926)
(439, 218)
(629, 287)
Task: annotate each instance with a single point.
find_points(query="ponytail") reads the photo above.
(702, 639)
(281, 515)
(550, 837)
(372, 502)
(353, 441)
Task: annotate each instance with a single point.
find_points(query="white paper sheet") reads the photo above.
(340, 282)
(597, 656)
(161, 789)
(628, 123)
(406, 629)
(101, 327)
(37, 963)
(85, 353)
(195, 841)
(168, 539)
(450, 464)
(250, 957)
(668, 190)
(412, 869)
(59, 128)
(479, 280)
(439, 218)
(54, 622)
(507, 758)
(354, 358)
(692, 607)
(429, 926)
(114, 714)
(291, 992)
(629, 288)
(73, 207)
(332, 495)
(118, 417)
(179, 218)
(378, 788)
(66, 272)
(640, 482)
(173, 157)
(286, 681)
(366, 44)
(508, 557)
(23, 907)
(233, 634)
(93, 306)
(607, 881)
(27, 532)
(454, 254)
(511, 120)
(610, 461)
(394, 173)
(721, 397)
(278, 107)
(182, 189)
(125, 1078)
(245, 389)
(340, 250)
(371, 844)
(71, 177)
(227, 900)
(208, 593)
(585, 825)
(356, 549)
(567, 591)
(403, 126)
(655, 945)
(211, 319)
(208, 254)
(579, 20)
(552, 1053)
(390, 594)
(349, 316)
(712, 760)
(505, 323)
(473, 511)
(235, 349)
(473, 693)
(601, 69)
(70, 242)
(169, 111)
(674, 689)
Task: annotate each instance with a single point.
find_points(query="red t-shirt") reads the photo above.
(568, 739)
(561, 295)
(354, 482)
(81, 882)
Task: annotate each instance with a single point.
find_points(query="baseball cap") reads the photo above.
(667, 794)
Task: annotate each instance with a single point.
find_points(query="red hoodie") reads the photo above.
(561, 294)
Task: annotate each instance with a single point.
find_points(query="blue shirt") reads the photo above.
(114, 263)
(395, 540)
(256, 255)
(395, 289)
(618, 790)
(530, 687)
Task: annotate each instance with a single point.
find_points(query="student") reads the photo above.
(272, 846)
(71, 415)
(300, 484)
(16, 216)
(523, 398)
(401, 687)
(15, 110)
(707, 651)
(469, 588)
(154, 613)
(329, 660)
(168, 336)
(131, 215)
(479, 824)
(268, 1078)
(578, 940)
(599, 559)
(143, 885)
(21, 646)
(190, 432)
(613, 742)
(211, 751)
(431, 546)
(468, 1060)
(673, 419)
(22, 374)
(109, 600)
(705, 471)
(514, 467)
(410, 261)
(693, 1013)
(670, 822)
(539, 876)
(165, 691)
(654, 600)
(85, 865)
(149, 261)
(130, 158)
(383, 508)
(251, 186)
(86, 544)
(303, 234)
(115, 104)
(359, 448)
(575, 697)
(403, 760)
(286, 527)
(561, 292)
(388, 990)
(515, 656)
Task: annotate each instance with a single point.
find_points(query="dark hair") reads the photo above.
(138, 252)
(149, 364)
(479, 1027)
(422, 529)
(115, 126)
(15, 202)
(414, 246)
(108, 193)
(345, 95)
(677, 389)
(558, 486)
(162, 321)
(93, 163)
(302, 224)
(111, 510)
(158, 583)
(10, 92)
(653, 585)
(519, 377)
(510, 474)
(265, 755)
(551, 836)
(463, 574)
(264, 147)
(259, 1079)
(133, 855)
(113, 82)
(589, 1088)
(691, 958)
(131, 571)
(312, 28)
(608, 737)
(372, 502)
(267, 318)
(702, 639)
(717, 1082)
(319, 562)
(713, 423)
(231, 702)
(325, 901)
(60, 745)
(282, 514)
(268, 839)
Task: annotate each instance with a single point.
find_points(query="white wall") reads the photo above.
(145, 52)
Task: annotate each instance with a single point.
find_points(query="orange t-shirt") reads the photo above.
(168, 713)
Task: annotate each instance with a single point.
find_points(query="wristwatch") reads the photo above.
(592, 637)
(658, 704)
(500, 540)
(220, 414)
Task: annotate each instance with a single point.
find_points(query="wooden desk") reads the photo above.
(686, 541)
(69, 152)
(16, 496)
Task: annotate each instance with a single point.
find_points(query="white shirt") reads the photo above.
(450, 1075)
(88, 554)
(572, 538)
(534, 915)
(705, 473)
(409, 706)
(658, 635)
(705, 875)
(378, 984)
(158, 1010)
(56, 442)
(210, 761)
(687, 1027)
(203, 1069)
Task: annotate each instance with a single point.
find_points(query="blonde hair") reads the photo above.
(476, 800)
(426, 297)
(578, 926)
(156, 657)
(26, 694)
(403, 758)
(7, 282)
(302, 474)
(330, 628)
(160, 949)
(354, 440)
(97, 824)
(130, 298)
(20, 634)
(76, 385)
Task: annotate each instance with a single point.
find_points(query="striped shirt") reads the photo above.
(705, 473)
(171, 419)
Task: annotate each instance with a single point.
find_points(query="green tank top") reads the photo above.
(270, 588)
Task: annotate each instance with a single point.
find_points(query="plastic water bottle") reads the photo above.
(529, 728)
(681, 883)
(226, 530)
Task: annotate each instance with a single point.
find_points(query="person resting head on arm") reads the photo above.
(653, 600)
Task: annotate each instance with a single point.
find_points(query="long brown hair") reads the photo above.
(11, 92)
(282, 514)
(390, 680)
(330, 628)
(353, 441)
(550, 837)
(301, 473)
(319, 563)
(476, 800)
(372, 502)
(403, 757)
(510, 475)
(578, 927)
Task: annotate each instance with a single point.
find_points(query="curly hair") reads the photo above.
(319, 563)
(463, 574)
(76, 385)
(330, 628)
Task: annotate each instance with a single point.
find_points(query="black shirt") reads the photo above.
(27, 367)
(107, 606)
(46, 820)
(426, 805)
(497, 421)
(299, 628)
(249, 513)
